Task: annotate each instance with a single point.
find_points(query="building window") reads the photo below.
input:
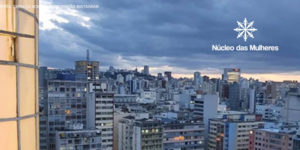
(8, 25)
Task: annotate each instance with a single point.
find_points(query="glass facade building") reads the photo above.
(232, 75)
(18, 75)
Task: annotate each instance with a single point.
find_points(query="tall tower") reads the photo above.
(87, 55)
(18, 76)
(100, 113)
(232, 75)
(234, 101)
(197, 79)
(87, 70)
(146, 70)
(168, 74)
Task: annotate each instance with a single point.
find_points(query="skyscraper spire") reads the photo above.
(87, 55)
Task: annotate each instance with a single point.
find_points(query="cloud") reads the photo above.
(170, 34)
(52, 14)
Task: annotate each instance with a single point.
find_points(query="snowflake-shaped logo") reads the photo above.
(245, 29)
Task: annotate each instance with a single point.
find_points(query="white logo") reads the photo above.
(245, 29)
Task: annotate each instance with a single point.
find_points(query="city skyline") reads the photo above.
(149, 75)
(218, 74)
(174, 36)
(142, 109)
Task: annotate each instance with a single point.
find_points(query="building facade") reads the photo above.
(187, 135)
(197, 79)
(146, 70)
(291, 110)
(270, 139)
(101, 115)
(232, 75)
(87, 70)
(127, 132)
(232, 131)
(168, 74)
(151, 134)
(140, 134)
(198, 107)
(269, 112)
(18, 76)
(296, 141)
(78, 140)
(234, 100)
(123, 99)
(66, 106)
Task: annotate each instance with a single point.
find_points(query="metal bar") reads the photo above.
(15, 34)
(2, 62)
(18, 118)
(18, 106)
(18, 79)
(29, 13)
(36, 101)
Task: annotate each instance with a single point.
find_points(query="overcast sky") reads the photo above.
(174, 35)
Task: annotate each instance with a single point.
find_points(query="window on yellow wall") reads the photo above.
(7, 46)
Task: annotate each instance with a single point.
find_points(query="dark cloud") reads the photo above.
(177, 33)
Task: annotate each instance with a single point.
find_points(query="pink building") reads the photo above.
(270, 139)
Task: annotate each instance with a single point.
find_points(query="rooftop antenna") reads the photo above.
(88, 55)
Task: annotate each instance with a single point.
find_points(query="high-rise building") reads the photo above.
(197, 79)
(140, 134)
(205, 78)
(234, 101)
(44, 76)
(87, 70)
(66, 107)
(231, 131)
(78, 139)
(224, 90)
(232, 75)
(244, 93)
(120, 78)
(252, 103)
(18, 76)
(296, 141)
(146, 70)
(133, 85)
(198, 107)
(269, 112)
(271, 92)
(209, 87)
(210, 110)
(151, 134)
(159, 75)
(291, 110)
(270, 139)
(127, 132)
(183, 135)
(168, 74)
(101, 114)
(205, 107)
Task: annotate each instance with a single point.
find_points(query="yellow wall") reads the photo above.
(18, 76)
